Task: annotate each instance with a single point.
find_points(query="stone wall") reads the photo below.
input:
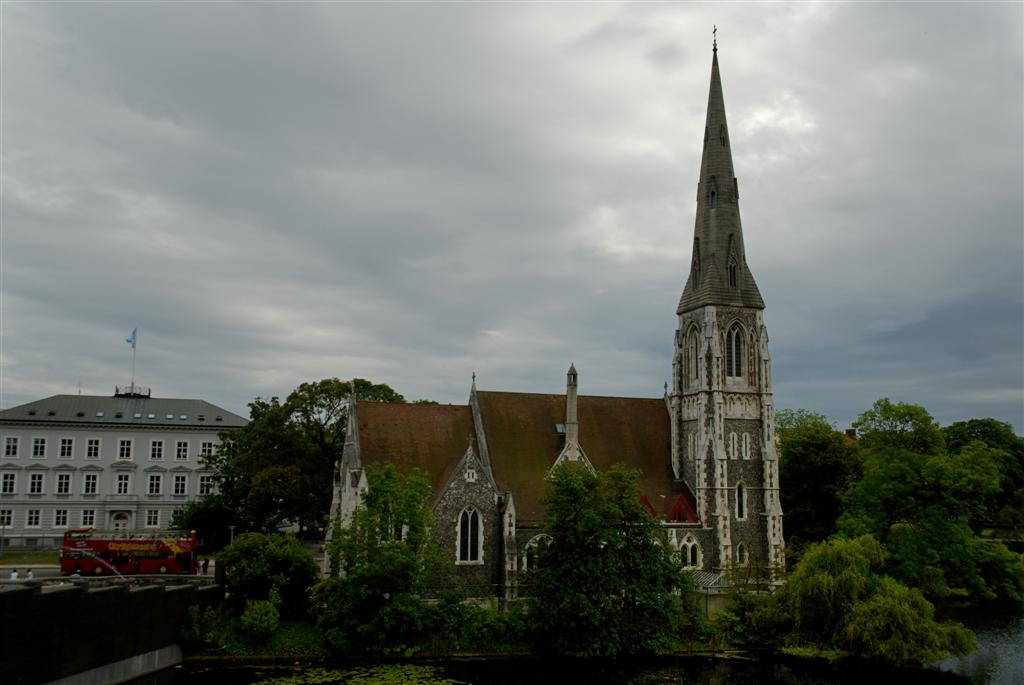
(48, 633)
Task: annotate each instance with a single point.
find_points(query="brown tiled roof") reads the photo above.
(430, 437)
(523, 444)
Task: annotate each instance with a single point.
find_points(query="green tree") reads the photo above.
(900, 426)
(268, 567)
(787, 420)
(1003, 509)
(837, 597)
(385, 555)
(209, 517)
(919, 506)
(607, 584)
(816, 465)
(279, 467)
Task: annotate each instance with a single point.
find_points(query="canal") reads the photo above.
(996, 661)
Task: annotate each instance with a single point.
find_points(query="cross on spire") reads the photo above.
(714, 40)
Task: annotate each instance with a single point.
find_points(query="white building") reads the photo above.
(123, 462)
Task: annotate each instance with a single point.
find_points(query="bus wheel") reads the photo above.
(97, 570)
(163, 568)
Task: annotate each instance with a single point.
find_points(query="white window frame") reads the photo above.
(63, 484)
(206, 448)
(532, 547)
(205, 484)
(8, 483)
(152, 518)
(36, 483)
(90, 479)
(87, 518)
(37, 514)
(90, 443)
(12, 441)
(690, 553)
(6, 517)
(178, 451)
(180, 484)
(470, 512)
(125, 446)
(60, 518)
(742, 555)
(123, 483)
(158, 479)
(69, 452)
(38, 448)
(156, 450)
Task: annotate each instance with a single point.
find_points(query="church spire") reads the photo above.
(718, 270)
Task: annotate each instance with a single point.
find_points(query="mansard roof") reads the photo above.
(428, 437)
(123, 410)
(523, 443)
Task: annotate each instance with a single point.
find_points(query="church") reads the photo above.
(705, 448)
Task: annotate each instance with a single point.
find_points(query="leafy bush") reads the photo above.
(260, 620)
(259, 565)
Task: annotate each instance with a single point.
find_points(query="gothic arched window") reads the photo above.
(741, 502)
(741, 554)
(468, 534)
(734, 352)
(693, 362)
(689, 553)
(535, 550)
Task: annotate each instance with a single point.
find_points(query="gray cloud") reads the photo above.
(411, 193)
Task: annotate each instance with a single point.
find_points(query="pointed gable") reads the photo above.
(524, 444)
(429, 437)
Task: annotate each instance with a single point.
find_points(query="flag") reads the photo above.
(131, 339)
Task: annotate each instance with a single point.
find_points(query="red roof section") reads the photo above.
(523, 444)
(430, 437)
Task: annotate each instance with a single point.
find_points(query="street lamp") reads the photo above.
(232, 529)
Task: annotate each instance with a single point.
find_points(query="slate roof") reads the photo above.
(718, 232)
(121, 411)
(523, 444)
(430, 437)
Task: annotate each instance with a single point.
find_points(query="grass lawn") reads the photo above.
(22, 558)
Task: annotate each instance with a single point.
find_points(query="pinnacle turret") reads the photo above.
(718, 269)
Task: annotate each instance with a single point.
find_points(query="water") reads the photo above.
(998, 660)
(535, 671)
(999, 657)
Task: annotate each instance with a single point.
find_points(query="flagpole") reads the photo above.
(133, 367)
(132, 341)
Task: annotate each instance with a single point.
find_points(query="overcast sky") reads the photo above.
(410, 193)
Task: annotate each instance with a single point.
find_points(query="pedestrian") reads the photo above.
(29, 575)
(14, 574)
(206, 565)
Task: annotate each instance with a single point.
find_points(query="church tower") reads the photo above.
(723, 438)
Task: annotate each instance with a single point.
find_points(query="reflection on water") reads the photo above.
(999, 658)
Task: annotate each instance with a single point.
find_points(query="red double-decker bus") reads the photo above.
(96, 552)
